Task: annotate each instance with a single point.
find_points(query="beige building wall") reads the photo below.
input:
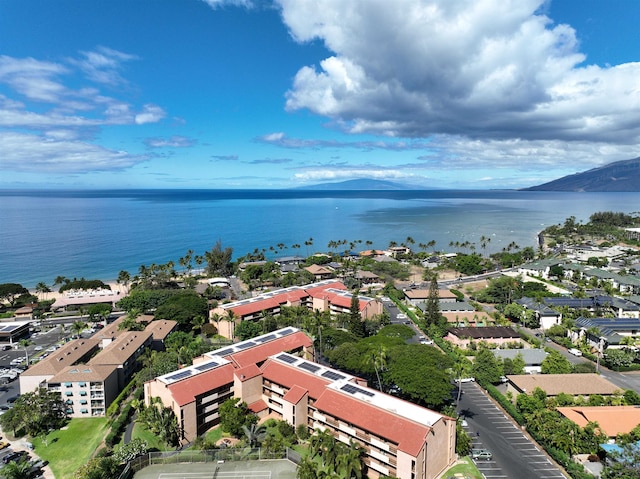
(29, 384)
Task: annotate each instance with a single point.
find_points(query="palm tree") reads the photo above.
(17, 469)
(198, 322)
(25, 343)
(255, 434)
(307, 469)
(42, 288)
(77, 327)
(349, 462)
(378, 359)
(124, 278)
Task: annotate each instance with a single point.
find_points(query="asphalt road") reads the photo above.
(514, 454)
(626, 380)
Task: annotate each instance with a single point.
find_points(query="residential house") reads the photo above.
(320, 273)
(545, 316)
(532, 357)
(603, 333)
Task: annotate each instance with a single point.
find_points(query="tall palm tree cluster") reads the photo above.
(331, 459)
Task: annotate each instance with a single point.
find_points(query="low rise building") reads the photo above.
(612, 420)
(498, 335)
(532, 358)
(579, 385)
(399, 438)
(329, 295)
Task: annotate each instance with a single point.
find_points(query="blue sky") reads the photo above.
(285, 93)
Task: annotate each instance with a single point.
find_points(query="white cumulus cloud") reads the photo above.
(488, 69)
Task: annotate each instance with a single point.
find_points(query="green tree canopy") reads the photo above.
(555, 363)
(183, 308)
(234, 416)
(247, 330)
(486, 367)
(421, 373)
(10, 292)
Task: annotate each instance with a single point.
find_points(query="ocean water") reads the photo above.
(96, 234)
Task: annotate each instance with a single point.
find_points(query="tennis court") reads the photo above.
(268, 469)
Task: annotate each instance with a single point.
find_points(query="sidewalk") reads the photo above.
(21, 444)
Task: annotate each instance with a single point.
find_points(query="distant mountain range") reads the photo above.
(361, 184)
(618, 176)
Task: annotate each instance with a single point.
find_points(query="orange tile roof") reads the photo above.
(613, 420)
(257, 354)
(185, 391)
(408, 435)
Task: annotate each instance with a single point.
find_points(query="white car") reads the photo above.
(402, 316)
(575, 352)
(38, 348)
(465, 380)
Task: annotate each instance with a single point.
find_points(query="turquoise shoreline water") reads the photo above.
(96, 234)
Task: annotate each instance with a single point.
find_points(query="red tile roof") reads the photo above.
(290, 377)
(185, 391)
(258, 354)
(316, 291)
(247, 372)
(408, 435)
(258, 406)
(295, 394)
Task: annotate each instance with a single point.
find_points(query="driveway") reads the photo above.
(514, 453)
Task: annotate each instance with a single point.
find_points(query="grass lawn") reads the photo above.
(68, 449)
(153, 442)
(214, 435)
(466, 469)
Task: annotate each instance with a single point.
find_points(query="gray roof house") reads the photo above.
(532, 357)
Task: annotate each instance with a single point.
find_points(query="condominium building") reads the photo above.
(329, 295)
(276, 376)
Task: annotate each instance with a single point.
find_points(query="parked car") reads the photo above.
(3, 445)
(13, 456)
(465, 380)
(478, 454)
(575, 352)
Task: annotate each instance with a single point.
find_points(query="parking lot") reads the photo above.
(513, 453)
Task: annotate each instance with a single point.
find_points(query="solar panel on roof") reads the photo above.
(206, 366)
(178, 376)
(250, 344)
(286, 331)
(287, 359)
(309, 367)
(351, 389)
(223, 352)
(264, 339)
(333, 376)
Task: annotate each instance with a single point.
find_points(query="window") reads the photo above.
(84, 410)
(67, 385)
(68, 393)
(83, 401)
(83, 393)
(82, 385)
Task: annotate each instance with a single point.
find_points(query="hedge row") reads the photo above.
(118, 426)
